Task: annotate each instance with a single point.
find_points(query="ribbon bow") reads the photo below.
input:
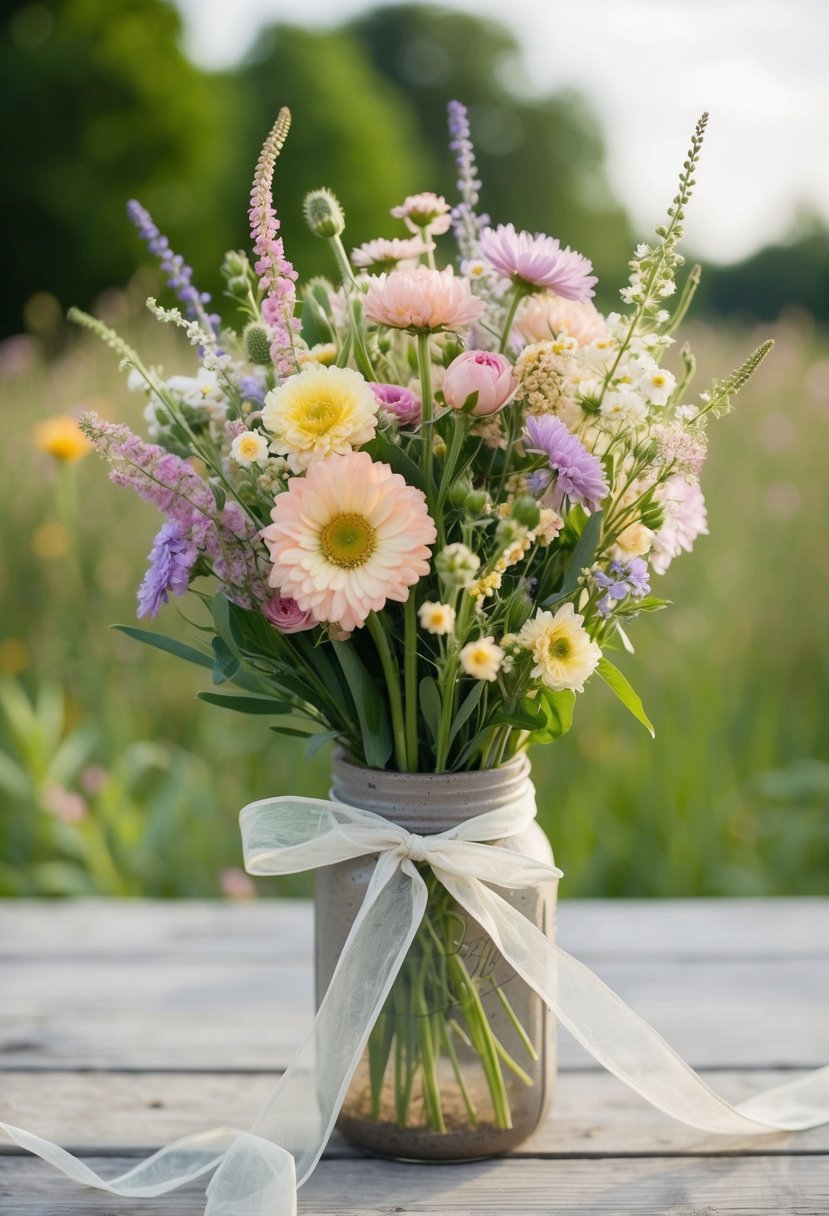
(259, 1170)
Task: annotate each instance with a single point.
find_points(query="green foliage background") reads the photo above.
(113, 779)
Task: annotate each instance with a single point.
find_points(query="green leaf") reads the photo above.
(527, 715)
(558, 708)
(246, 705)
(170, 645)
(370, 706)
(465, 709)
(581, 556)
(293, 732)
(390, 453)
(650, 603)
(226, 665)
(430, 705)
(318, 741)
(624, 691)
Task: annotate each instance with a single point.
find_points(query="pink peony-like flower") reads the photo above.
(537, 262)
(426, 210)
(479, 371)
(348, 536)
(400, 402)
(382, 255)
(285, 614)
(543, 317)
(422, 299)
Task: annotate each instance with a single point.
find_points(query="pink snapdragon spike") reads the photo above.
(423, 300)
(285, 614)
(537, 262)
(277, 277)
(482, 372)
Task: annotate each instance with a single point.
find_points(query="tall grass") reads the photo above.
(731, 798)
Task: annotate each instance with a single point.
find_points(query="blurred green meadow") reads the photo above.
(115, 780)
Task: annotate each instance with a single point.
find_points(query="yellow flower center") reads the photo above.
(249, 446)
(657, 380)
(348, 540)
(559, 648)
(320, 415)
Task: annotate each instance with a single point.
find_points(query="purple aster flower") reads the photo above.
(252, 389)
(171, 560)
(579, 475)
(537, 262)
(180, 278)
(401, 403)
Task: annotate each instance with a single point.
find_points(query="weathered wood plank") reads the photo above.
(748, 1186)
(593, 1115)
(250, 1013)
(281, 929)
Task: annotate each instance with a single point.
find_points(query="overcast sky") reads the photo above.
(650, 67)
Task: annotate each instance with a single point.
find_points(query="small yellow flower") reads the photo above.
(436, 618)
(62, 438)
(564, 654)
(249, 448)
(634, 541)
(324, 353)
(482, 659)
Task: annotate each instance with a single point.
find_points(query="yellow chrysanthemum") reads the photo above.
(563, 651)
(319, 412)
(62, 438)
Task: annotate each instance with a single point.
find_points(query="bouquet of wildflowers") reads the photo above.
(422, 499)
(429, 501)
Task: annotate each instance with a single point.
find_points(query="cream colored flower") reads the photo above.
(319, 412)
(482, 659)
(635, 541)
(436, 618)
(251, 447)
(564, 654)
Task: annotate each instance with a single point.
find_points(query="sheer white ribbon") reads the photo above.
(259, 1171)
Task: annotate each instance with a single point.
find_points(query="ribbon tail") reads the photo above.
(621, 1040)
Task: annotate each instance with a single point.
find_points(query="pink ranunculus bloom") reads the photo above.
(479, 371)
(403, 405)
(286, 615)
(422, 299)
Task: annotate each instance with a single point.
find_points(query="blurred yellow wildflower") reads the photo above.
(62, 438)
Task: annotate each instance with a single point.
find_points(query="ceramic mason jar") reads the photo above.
(461, 1063)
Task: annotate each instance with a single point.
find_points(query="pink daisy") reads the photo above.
(425, 211)
(348, 536)
(422, 299)
(538, 262)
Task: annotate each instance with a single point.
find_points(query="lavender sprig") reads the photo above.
(180, 278)
(467, 223)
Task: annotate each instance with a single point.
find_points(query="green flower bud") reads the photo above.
(257, 344)
(475, 502)
(508, 531)
(526, 510)
(235, 264)
(519, 610)
(457, 565)
(323, 214)
(458, 492)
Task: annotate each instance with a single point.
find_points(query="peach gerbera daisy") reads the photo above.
(319, 411)
(348, 536)
(422, 299)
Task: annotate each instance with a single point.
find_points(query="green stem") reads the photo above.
(381, 641)
(459, 429)
(517, 296)
(424, 364)
(410, 680)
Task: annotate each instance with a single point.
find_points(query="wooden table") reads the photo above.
(124, 1025)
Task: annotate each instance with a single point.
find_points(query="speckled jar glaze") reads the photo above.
(469, 1123)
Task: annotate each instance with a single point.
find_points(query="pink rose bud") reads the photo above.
(286, 614)
(481, 372)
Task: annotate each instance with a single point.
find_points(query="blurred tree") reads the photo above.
(101, 104)
(793, 272)
(541, 159)
(351, 131)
